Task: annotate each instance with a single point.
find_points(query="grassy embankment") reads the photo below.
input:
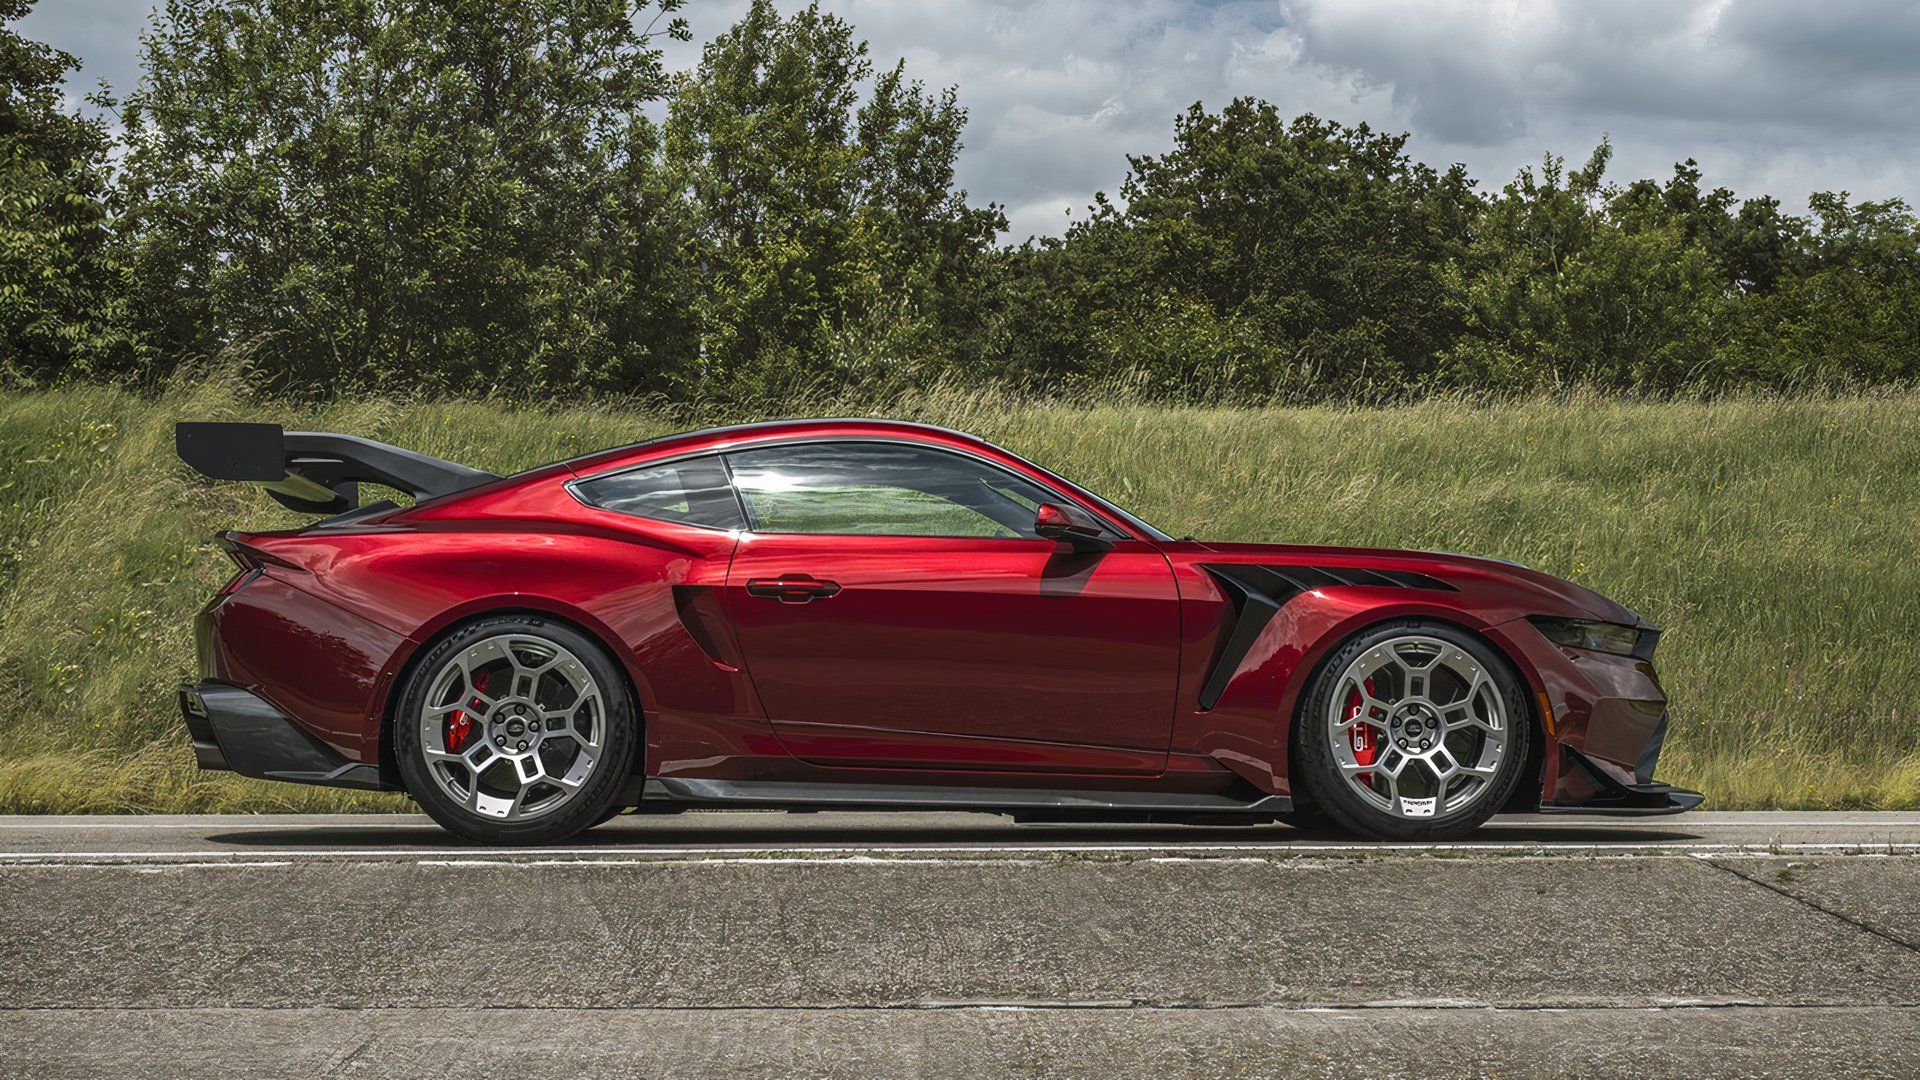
(1775, 539)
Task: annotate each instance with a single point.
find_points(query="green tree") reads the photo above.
(1848, 313)
(1555, 290)
(832, 246)
(1259, 255)
(59, 265)
(443, 194)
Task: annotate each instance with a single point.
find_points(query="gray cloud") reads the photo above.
(1774, 96)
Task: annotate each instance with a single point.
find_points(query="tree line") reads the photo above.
(516, 197)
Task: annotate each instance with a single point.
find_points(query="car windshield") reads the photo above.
(1106, 505)
(1123, 514)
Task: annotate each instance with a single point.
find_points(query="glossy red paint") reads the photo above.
(967, 653)
(1015, 662)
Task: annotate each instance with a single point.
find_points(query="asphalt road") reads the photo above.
(957, 945)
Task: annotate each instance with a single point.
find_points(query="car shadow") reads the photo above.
(760, 830)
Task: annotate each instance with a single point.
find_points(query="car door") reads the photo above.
(897, 609)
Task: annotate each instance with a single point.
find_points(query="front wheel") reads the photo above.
(515, 730)
(1412, 730)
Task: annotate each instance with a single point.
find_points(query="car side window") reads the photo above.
(882, 489)
(693, 492)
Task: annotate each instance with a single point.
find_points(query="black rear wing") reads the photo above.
(315, 472)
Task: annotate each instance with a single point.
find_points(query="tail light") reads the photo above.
(248, 571)
(243, 557)
(237, 582)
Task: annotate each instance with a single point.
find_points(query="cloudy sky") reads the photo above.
(1771, 96)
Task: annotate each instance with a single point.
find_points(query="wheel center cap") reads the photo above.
(514, 726)
(1415, 727)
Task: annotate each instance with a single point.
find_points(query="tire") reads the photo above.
(535, 759)
(1447, 733)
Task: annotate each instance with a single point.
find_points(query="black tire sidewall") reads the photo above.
(1319, 773)
(587, 809)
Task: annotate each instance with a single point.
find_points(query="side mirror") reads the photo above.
(1067, 525)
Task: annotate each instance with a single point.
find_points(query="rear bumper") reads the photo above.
(236, 730)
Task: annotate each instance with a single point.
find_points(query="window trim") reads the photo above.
(573, 488)
(1105, 519)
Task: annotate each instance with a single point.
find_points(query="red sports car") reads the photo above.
(861, 613)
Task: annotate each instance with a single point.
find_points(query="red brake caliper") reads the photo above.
(459, 725)
(1361, 736)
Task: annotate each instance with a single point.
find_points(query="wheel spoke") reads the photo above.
(1470, 719)
(1472, 693)
(1371, 710)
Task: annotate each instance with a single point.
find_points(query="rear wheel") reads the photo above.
(515, 730)
(1413, 730)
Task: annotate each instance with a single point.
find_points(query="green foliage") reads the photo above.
(452, 197)
(1259, 255)
(1555, 289)
(831, 246)
(1663, 288)
(59, 265)
(447, 194)
(1850, 309)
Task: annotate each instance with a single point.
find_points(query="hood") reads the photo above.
(1544, 593)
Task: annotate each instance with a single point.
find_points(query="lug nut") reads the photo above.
(523, 746)
(499, 740)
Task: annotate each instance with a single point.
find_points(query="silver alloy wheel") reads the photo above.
(1418, 727)
(512, 727)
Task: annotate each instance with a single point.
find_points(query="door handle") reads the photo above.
(792, 588)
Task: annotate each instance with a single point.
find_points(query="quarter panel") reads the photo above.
(318, 663)
(632, 583)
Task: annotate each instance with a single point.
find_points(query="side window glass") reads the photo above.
(692, 492)
(882, 489)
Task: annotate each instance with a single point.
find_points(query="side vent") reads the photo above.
(697, 606)
(1259, 592)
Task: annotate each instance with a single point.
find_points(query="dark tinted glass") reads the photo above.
(694, 491)
(881, 489)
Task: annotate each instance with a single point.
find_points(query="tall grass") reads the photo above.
(1773, 537)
